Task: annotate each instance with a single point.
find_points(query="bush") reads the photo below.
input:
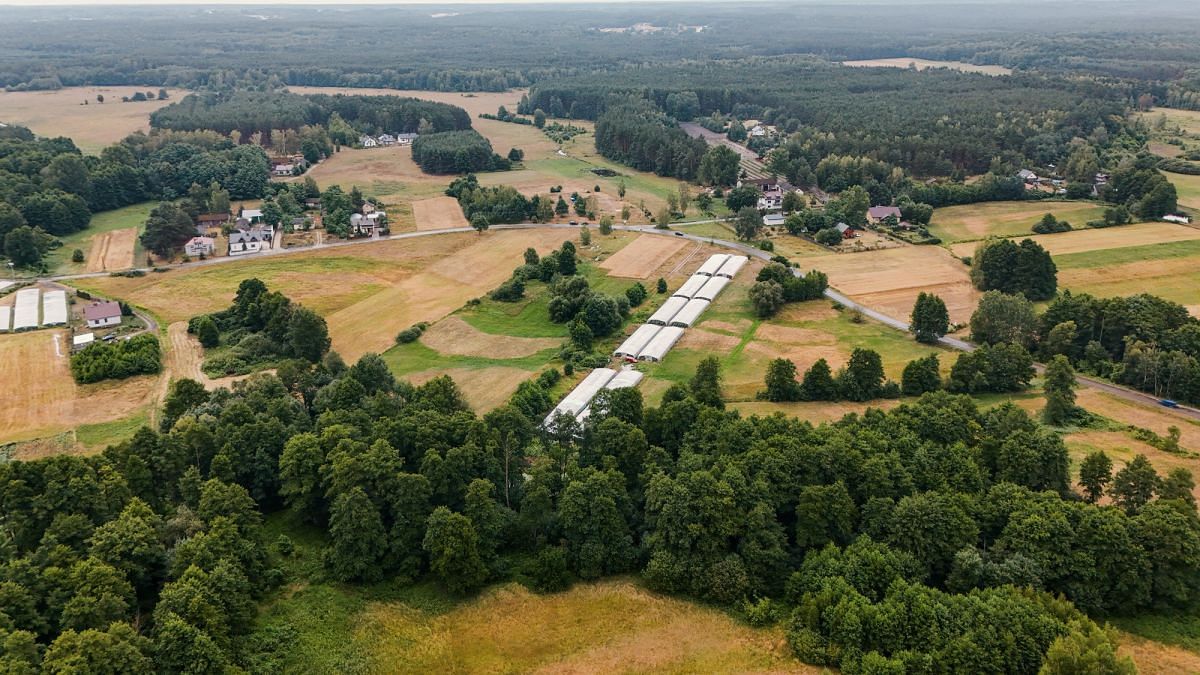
(549, 572)
(636, 294)
(77, 256)
(828, 237)
(410, 334)
(510, 291)
(119, 359)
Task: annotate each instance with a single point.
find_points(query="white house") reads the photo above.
(387, 139)
(82, 340)
(405, 139)
(198, 246)
(253, 240)
(102, 314)
(252, 215)
(368, 142)
(284, 169)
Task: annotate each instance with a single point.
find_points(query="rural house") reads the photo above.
(252, 240)
(405, 139)
(846, 231)
(284, 170)
(368, 141)
(211, 221)
(198, 246)
(102, 314)
(1027, 176)
(252, 216)
(877, 214)
(386, 140)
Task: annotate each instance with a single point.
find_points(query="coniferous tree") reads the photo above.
(1060, 392)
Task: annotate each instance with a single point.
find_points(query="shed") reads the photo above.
(82, 340)
(638, 340)
(661, 344)
(713, 264)
(582, 394)
(732, 266)
(690, 287)
(668, 311)
(713, 288)
(690, 312)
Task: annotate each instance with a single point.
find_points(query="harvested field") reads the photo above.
(1173, 279)
(456, 337)
(1145, 416)
(112, 251)
(889, 280)
(1188, 188)
(1156, 658)
(41, 399)
(924, 64)
(814, 411)
(971, 222)
(610, 626)
(1078, 241)
(438, 213)
(93, 126)
(1187, 121)
(384, 173)
(484, 388)
(643, 256)
(1164, 149)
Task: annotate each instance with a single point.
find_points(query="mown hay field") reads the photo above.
(92, 126)
(971, 222)
(1096, 239)
(1168, 270)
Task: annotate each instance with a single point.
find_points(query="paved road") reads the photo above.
(753, 251)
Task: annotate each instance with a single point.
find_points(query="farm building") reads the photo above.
(252, 240)
(582, 394)
(82, 340)
(25, 309)
(661, 344)
(101, 314)
(690, 287)
(713, 264)
(668, 311)
(637, 341)
(690, 312)
(198, 246)
(713, 288)
(5, 318)
(624, 380)
(732, 266)
(774, 220)
(54, 308)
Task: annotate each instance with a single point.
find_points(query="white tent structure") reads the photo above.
(661, 344)
(54, 308)
(582, 394)
(732, 266)
(690, 312)
(5, 318)
(25, 309)
(713, 264)
(82, 340)
(637, 341)
(712, 289)
(668, 311)
(691, 286)
(623, 380)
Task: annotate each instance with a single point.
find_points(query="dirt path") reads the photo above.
(184, 358)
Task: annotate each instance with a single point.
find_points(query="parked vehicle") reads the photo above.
(1168, 403)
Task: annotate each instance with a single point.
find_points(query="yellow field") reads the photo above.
(923, 64)
(889, 280)
(438, 213)
(610, 627)
(643, 256)
(112, 250)
(971, 222)
(1187, 121)
(1079, 241)
(1188, 189)
(456, 337)
(92, 126)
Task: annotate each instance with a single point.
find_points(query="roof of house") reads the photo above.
(773, 219)
(881, 212)
(1026, 173)
(405, 137)
(250, 234)
(98, 311)
(252, 213)
(200, 240)
(842, 227)
(212, 218)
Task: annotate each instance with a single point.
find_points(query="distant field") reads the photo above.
(971, 222)
(1186, 120)
(92, 126)
(1188, 188)
(923, 64)
(438, 213)
(1088, 239)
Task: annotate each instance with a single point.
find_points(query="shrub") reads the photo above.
(410, 334)
(77, 256)
(119, 359)
(509, 291)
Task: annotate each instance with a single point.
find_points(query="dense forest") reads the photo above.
(638, 136)
(457, 152)
(248, 112)
(153, 551)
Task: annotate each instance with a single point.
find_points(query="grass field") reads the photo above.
(102, 224)
(92, 126)
(1188, 189)
(1084, 240)
(1169, 270)
(923, 64)
(1187, 121)
(972, 222)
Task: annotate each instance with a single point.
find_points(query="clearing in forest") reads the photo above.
(1093, 239)
(456, 337)
(643, 256)
(924, 64)
(485, 388)
(112, 250)
(438, 213)
(93, 126)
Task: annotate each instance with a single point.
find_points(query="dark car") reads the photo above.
(573, 222)
(678, 234)
(1168, 403)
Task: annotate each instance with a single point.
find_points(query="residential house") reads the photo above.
(758, 131)
(366, 225)
(102, 314)
(1027, 176)
(206, 222)
(300, 223)
(312, 203)
(846, 231)
(252, 216)
(877, 214)
(368, 141)
(252, 240)
(198, 246)
(405, 139)
(387, 140)
(367, 207)
(283, 170)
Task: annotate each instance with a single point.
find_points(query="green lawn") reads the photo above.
(714, 230)
(59, 260)
(1182, 630)
(414, 357)
(1188, 189)
(972, 222)
(101, 435)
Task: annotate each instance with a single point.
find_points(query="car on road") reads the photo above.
(573, 222)
(678, 234)
(1168, 403)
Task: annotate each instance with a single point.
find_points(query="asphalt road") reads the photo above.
(753, 251)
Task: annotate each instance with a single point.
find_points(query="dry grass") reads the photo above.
(1145, 416)
(183, 357)
(609, 627)
(924, 64)
(1079, 241)
(1005, 219)
(455, 337)
(384, 173)
(41, 399)
(1188, 188)
(1173, 279)
(1156, 658)
(112, 250)
(889, 280)
(438, 213)
(484, 388)
(643, 256)
(813, 411)
(1121, 447)
(1186, 120)
(92, 126)
(473, 103)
